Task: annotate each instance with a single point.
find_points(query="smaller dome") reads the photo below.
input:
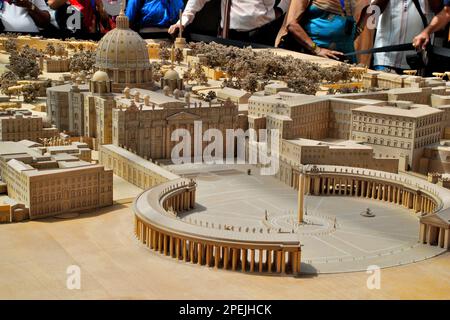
(100, 76)
(171, 75)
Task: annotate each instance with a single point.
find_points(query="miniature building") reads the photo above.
(65, 107)
(172, 80)
(147, 129)
(275, 87)
(50, 184)
(397, 131)
(435, 158)
(297, 152)
(54, 64)
(98, 105)
(80, 150)
(15, 126)
(235, 95)
(123, 55)
(13, 211)
(131, 167)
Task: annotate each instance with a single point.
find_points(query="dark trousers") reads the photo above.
(265, 35)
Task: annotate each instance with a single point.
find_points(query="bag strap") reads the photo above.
(226, 19)
(422, 15)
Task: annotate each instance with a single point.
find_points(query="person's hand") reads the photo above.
(173, 29)
(23, 3)
(421, 41)
(330, 54)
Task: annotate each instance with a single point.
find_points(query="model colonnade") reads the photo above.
(237, 251)
(413, 194)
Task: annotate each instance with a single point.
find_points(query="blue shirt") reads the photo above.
(153, 13)
(446, 2)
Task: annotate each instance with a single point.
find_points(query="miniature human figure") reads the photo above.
(249, 172)
(324, 28)
(24, 15)
(251, 20)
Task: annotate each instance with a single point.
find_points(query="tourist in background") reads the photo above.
(153, 13)
(24, 15)
(254, 21)
(327, 28)
(399, 22)
(439, 22)
(94, 18)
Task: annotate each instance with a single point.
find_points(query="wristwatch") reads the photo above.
(315, 48)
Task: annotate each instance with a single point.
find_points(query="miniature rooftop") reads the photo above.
(414, 111)
(68, 86)
(345, 144)
(22, 155)
(133, 158)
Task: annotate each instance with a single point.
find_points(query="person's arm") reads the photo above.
(191, 9)
(300, 35)
(56, 4)
(437, 23)
(40, 16)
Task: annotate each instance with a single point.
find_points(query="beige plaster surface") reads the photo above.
(35, 255)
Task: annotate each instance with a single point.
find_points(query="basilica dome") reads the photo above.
(123, 55)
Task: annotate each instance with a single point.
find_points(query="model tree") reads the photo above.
(187, 75)
(157, 73)
(210, 96)
(164, 54)
(243, 65)
(82, 61)
(199, 74)
(10, 45)
(29, 93)
(24, 65)
(250, 82)
(31, 52)
(179, 55)
(7, 79)
(50, 49)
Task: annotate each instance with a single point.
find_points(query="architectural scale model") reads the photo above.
(363, 156)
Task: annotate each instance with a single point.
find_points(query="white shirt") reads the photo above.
(399, 23)
(245, 15)
(17, 19)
